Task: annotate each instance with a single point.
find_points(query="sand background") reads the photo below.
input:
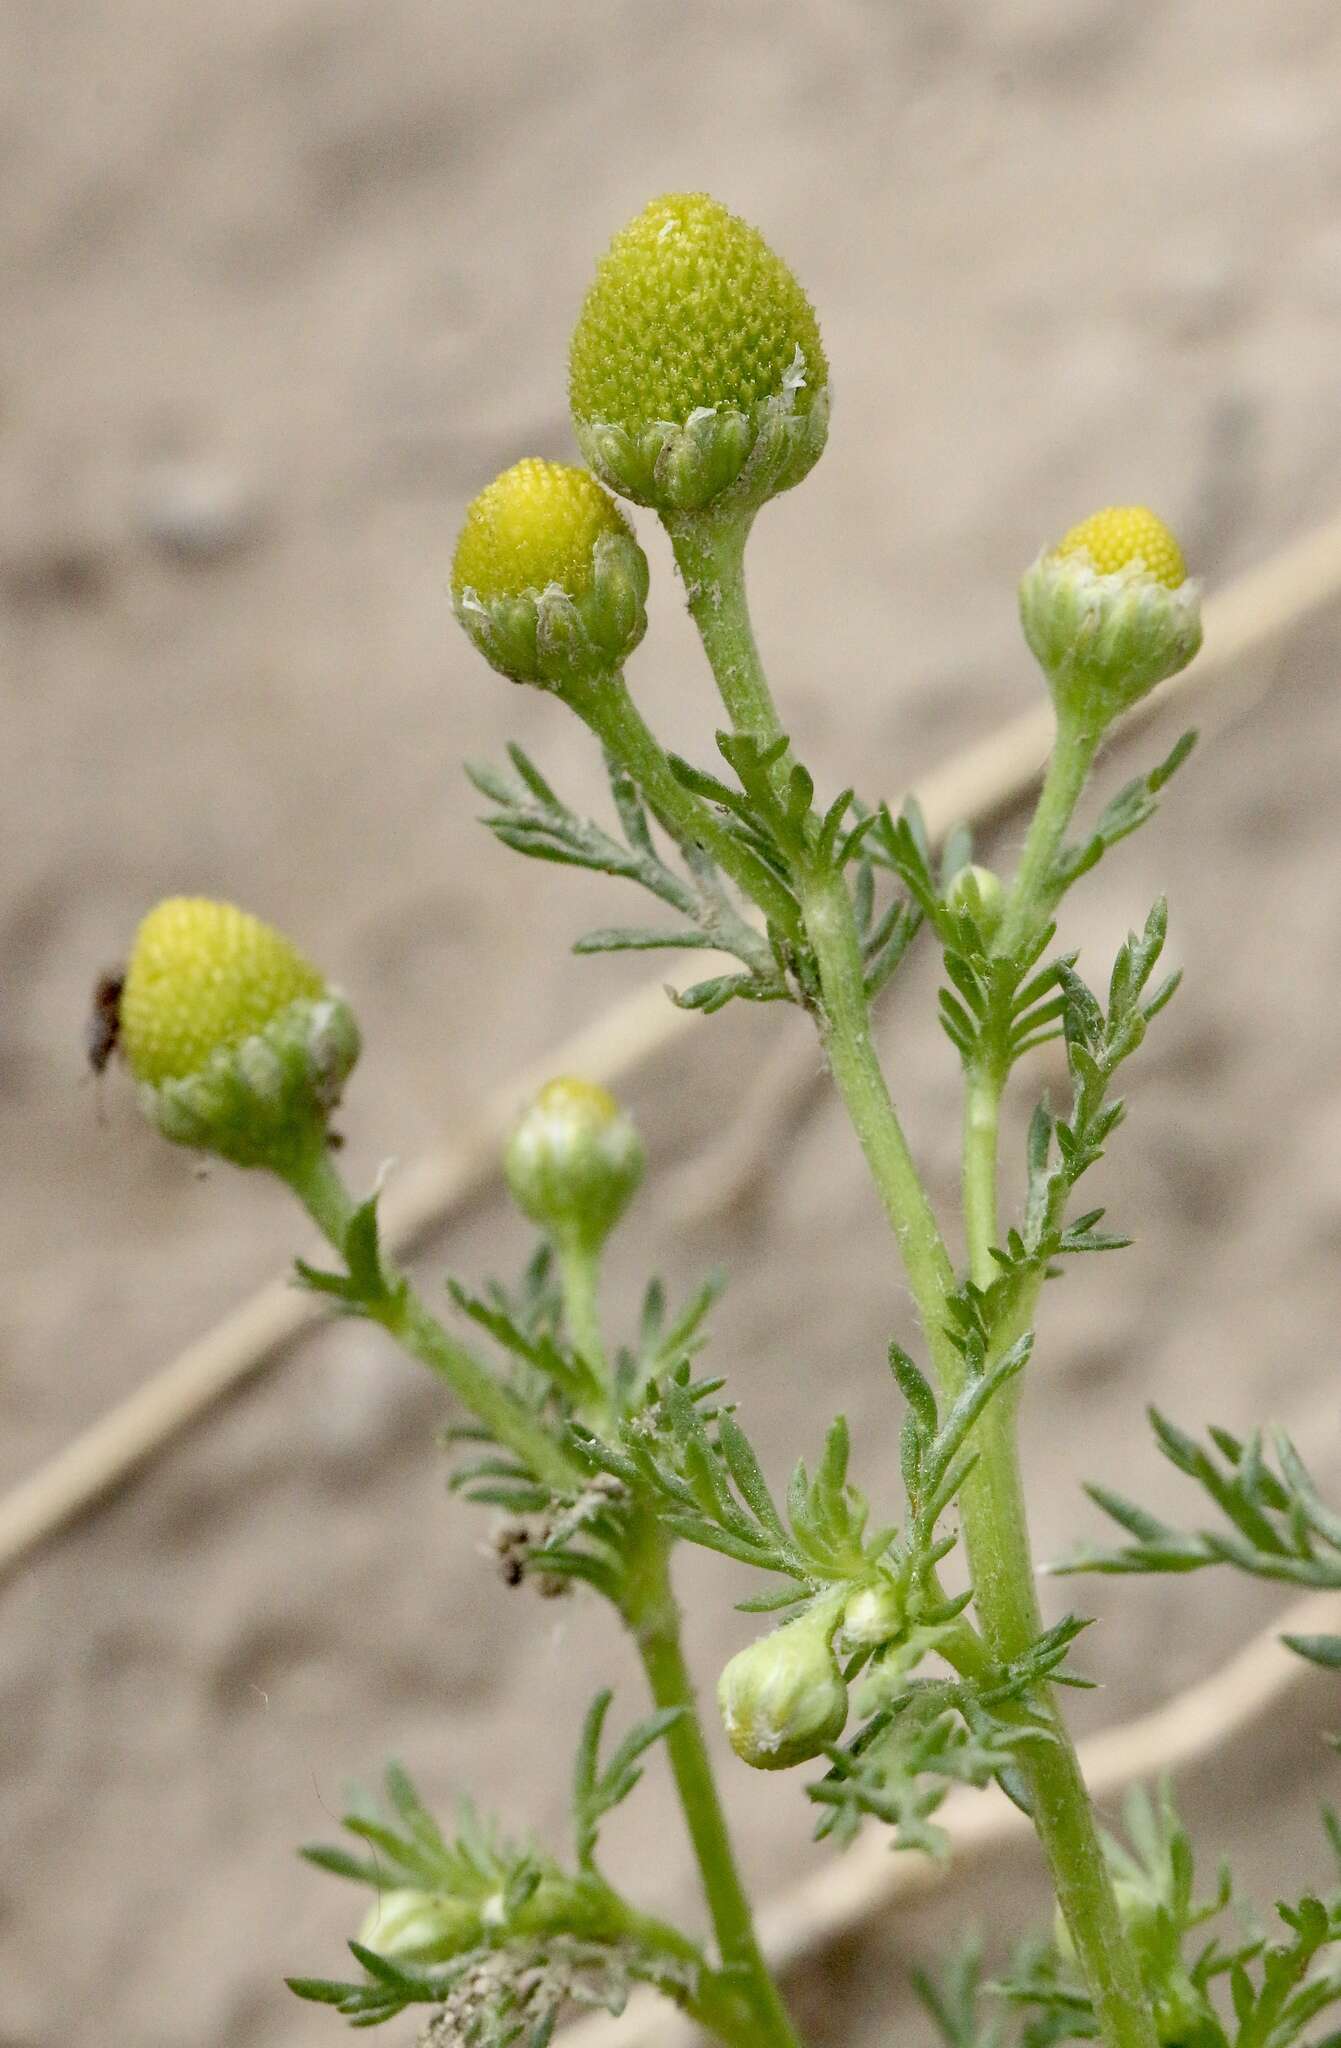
(285, 283)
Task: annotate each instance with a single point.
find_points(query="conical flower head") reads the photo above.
(696, 364)
(420, 1926)
(237, 1043)
(548, 579)
(574, 1161)
(1109, 612)
(783, 1697)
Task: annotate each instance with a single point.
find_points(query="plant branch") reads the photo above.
(604, 705)
(323, 1194)
(653, 1616)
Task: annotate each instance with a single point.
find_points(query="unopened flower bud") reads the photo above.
(238, 1045)
(696, 364)
(783, 1698)
(548, 579)
(420, 1927)
(978, 892)
(1109, 612)
(574, 1161)
(872, 1615)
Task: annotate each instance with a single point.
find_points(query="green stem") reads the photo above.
(740, 2003)
(710, 551)
(579, 1278)
(605, 706)
(845, 1028)
(653, 1616)
(714, 2002)
(996, 1535)
(982, 1116)
(329, 1203)
(1034, 892)
(992, 1504)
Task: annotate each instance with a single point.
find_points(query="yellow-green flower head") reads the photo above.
(420, 1927)
(548, 579)
(574, 1162)
(237, 1043)
(1109, 612)
(783, 1698)
(696, 363)
(1120, 535)
(872, 1615)
(977, 892)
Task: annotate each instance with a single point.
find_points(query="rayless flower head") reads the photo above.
(783, 1698)
(1109, 612)
(238, 1045)
(696, 364)
(420, 1926)
(548, 579)
(978, 891)
(872, 1615)
(574, 1162)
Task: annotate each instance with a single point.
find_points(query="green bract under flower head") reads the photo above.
(548, 579)
(1109, 612)
(783, 1698)
(237, 1043)
(574, 1162)
(696, 362)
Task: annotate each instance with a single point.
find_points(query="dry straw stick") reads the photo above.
(977, 785)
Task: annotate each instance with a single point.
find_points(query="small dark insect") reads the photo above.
(103, 1028)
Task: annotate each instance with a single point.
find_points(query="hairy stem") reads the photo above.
(1034, 892)
(605, 705)
(580, 1277)
(710, 552)
(328, 1202)
(996, 1534)
(992, 1504)
(845, 1028)
(653, 1616)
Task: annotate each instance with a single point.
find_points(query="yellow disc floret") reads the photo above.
(534, 526)
(1124, 534)
(202, 976)
(690, 309)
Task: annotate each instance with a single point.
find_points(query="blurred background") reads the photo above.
(286, 283)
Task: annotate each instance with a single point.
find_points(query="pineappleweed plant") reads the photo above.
(700, 389)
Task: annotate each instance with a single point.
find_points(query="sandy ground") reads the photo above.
(285, 284)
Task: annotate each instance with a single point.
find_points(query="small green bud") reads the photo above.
(696, 365)
(548, 579)
(1109, 613)
(420, 1927)
(574, 1162)
(872, 1615)
(238, 1045)
(783, 1697)
(979, 892)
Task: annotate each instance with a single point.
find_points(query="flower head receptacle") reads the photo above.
(1109, 612)
(782, 1698)
(574, 1162)
(238, 1045)
(548, 579)
(696, 366)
